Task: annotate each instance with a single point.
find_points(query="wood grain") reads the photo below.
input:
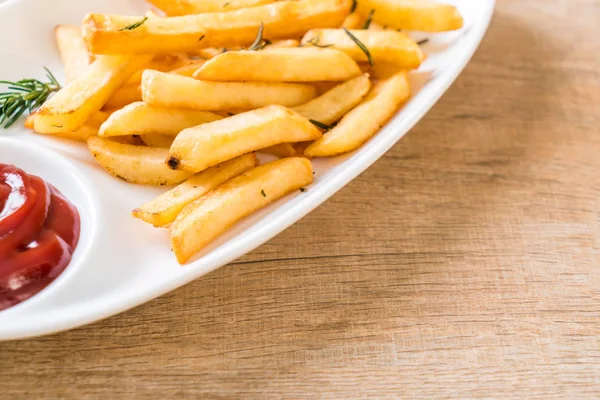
(465, 263)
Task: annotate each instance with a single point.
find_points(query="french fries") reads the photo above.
(70, 108)
(184, 7)
(208, 217)
(126, 94)
(73, 51)
(168, 90)
(163, 141)
(354, 21)
(279, 65)
(164, 209)
(203, 146)
(143, 119)
(135, 164)
(282, 150)
(365, 120)
(112, 34)
(384, 46)
(163, 63)
(189, 69)
(414, 15)
(334, 104)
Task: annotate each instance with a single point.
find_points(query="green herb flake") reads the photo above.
(361, 46)
(369, 19)
(134, 26)
(320, 125)
(263, 193)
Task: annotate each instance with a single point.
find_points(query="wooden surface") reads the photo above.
(465, 263)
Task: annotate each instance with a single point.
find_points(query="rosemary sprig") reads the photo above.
(422, 42)
(315, 42)
(354, 4)
(369, 19)
(361, 46)
(321, 125)
(24, 95)
(259, 43)
(134, 26)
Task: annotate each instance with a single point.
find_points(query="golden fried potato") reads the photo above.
(143, 119)
(280, 150)
(185, 7)
(211, 215)
(279, 65)
(113, 34)
(334, 104)
(384, 46)
(189, 69)
(126, 94)
(135, 164)
(365, 120)
(70, 108)
(198, 148)
(168, 90)
(90, 128)
(354, 21)
(158, 140)
(162, 63)
(73, 51)
(164, 209)
(413, 15)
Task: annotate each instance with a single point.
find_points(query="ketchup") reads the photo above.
(39, 230)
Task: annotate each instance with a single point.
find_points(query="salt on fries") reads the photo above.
(164, 209)
(113, 34)
(188, 98)
(203, 146)
(208, 217)
(142, 119)
(279, 65)
(168, 90)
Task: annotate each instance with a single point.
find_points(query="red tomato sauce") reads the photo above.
(39, 230)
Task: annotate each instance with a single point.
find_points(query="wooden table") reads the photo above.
(465, 263)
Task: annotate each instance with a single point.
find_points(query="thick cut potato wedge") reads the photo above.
(111, 34)
(73, 51)
(210, 216)
(135, 164)
(164, 209)
(169, 90)
(280, 150)
(70, 108)
(155, 140)
(126, 94)
(163, 63)
(142, 119)
(198, 148)
(385, 46)
(334, 104)
(365, 120)
(279, 65)
(175, 8)
(189, 69)
(413, 15)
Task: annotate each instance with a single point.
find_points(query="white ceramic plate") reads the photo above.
(122, 262)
